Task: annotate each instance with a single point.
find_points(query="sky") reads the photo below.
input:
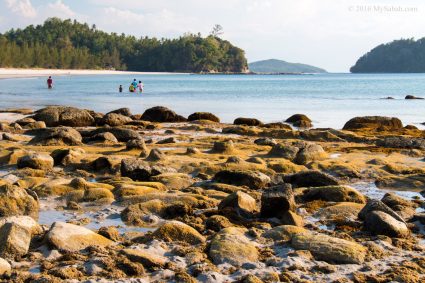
(330, 34)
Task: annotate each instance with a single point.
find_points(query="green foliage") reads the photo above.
(399, 56)
(69, 44)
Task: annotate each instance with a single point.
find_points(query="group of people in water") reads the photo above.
(134, 86)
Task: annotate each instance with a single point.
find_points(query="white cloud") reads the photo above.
(22, 8)
(60, 9)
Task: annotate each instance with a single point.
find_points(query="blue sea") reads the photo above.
(328, 99)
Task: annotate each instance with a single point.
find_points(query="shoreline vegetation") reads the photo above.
(157, 197)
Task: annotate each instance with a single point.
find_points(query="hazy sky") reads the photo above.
(330, 34)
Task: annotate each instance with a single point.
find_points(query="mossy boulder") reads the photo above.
(57, 137)
(203, 116)
(253, 180)
(17, 201)
(373, 123)
(36, 161)
(283, 232)
(175, 231)
(334, 193)
(161, 114)
(55, 116)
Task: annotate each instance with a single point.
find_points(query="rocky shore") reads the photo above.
(158, 197)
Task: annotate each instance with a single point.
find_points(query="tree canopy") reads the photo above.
(399, 56)
(70, 44)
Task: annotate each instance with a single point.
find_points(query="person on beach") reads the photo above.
(140, 86)
(120, 88)
(134, 83)
(50, 82)
(131, 88)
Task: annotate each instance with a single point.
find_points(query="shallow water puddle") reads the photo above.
(371, 190)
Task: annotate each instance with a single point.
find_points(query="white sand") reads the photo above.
(10, 117)
(7, 73)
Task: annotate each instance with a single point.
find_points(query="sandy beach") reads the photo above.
(8, 73)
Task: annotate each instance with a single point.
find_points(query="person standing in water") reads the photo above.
(134, 84)
(50, 82)
(120, 88)
(140, 86)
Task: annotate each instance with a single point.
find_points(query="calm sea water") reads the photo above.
(329, 99)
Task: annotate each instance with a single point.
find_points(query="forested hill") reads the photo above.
(66, 44)
(399, 56)
(279, 66)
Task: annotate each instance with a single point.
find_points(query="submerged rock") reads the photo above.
(73, 238)
(230, 245)
(175, 231)
(36, 161)
(373, 123)
(55, 116)
(330, 249)
(203, 116)
(251, 179)
(161, 114)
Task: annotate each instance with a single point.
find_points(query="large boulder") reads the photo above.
(300, 121)
(122, 134)
(405, 208)
(114, 119)
(231, 246)
(17, 201)
(67, 156)
(36, 161)
(276, 201)
(381, 223)
(177, 231)
(121, 111)
(24, 221)
(72, 238)
(373, 123)
(376, 205)
(203, 116)
(247, 122)
(57, 136)
(161, 114)
(330, 249)
(284, 151)
(334, 194)
(55, 116)
(105, 138)
(310, 179)
(311, 152)
(140, 170)
(223, 147)
(251, 179)
(238, 204)
(14, 240)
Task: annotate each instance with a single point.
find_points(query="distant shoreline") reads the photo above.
(11, 73)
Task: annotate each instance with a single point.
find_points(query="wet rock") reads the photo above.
(25, 222)
(311, 152)
(57, 136)
(35, 125)
(36, 161)
(283, 232)
(402, 142)
(177, 231)
(167, 140)
(284, 151)
(173, 181)
(401, 206)
(330, 249)
(230, 245)
(203, 116)
(342, 210)
(376, 205)
(67, 156)
(226, 147)
(238, 204)
(14, 240)
(114, 119)
(25, 121)
(291, 218)
(373, 123)
(135, 214)
(121, 111)
(192, 150)
(156, 155)
(247, 122)
(110, 233)
(412, 97)
(139, 145)
(276, 201)
(251, 179)
(310, 179)
(17, 201)
(5, 267)
(122, 134)
(106, 138)
(381, 223)
(161, 114)
(277, 126)
(265, 141)
(140, 170)
(300, 121)
(146, 258)
(334, 194)
(73, 238)
(55, 116)
(217, 223)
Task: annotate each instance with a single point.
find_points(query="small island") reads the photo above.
(274, 66)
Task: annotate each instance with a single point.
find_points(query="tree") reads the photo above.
(217, 30)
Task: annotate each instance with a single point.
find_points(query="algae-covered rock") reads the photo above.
(330, 249)
(251, 179)
(283, 232)
(373, 123)
(342, 210)
(276, 201)
(14, 240)
(175, 231)
(238, 204)
(381, 223)
(203, 116)
(55, 116)
(73, 238)
(311, 152)
(310, 179)
(335, 194)
(284, 151)
(57, 136)
(17, 201)
(148, 259)
(36, 161)
(230, 245)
